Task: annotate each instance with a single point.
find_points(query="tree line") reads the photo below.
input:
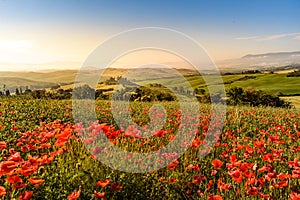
(157, 92)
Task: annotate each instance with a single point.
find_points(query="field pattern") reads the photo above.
(273, 83)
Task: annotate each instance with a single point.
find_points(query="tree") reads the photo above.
(235, 95)
(84, 92)
(7, 93)
(38, 94)
(27, 91)
(17, 91)
(251, 97)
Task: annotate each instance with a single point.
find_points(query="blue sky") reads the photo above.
(38, 31)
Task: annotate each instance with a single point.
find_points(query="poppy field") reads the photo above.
(46, 155)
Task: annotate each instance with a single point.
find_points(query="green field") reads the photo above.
(273, 83)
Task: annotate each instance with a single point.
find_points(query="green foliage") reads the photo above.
(83, 92)
(295, 73)
(145, 94)
(240, 96)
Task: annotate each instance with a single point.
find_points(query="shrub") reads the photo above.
(239, 96)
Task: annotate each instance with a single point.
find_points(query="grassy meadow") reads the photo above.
(44, 154)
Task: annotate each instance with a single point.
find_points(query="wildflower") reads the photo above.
(115, 186)
(103, 183)
(217, 164)
(26, 195)
(99, 195)
(215, 197)
(2, 144)
(2, 191)
(14, 179)
(74, 195)
(36, 181)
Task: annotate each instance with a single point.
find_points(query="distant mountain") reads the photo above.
(277, 55)
(263, 61)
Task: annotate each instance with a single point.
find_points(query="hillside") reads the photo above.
(264, 61)
(38, 80)
(273, 83)
(11, 83)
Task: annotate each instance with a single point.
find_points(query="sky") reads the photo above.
(42, 34)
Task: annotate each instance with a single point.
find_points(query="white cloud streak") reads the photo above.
(247, 38)
(271, 37)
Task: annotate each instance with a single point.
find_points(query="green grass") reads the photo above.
(272, 83)
(295, 100)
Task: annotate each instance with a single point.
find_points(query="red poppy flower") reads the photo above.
(18, 186)
(2, 144)
(15, 157)
(2, 191)
(213, 172)
(99, 195)
(103, 183)
(172, 180)
(268, 157)
(190, 166)
(26, 195)
(188, 192)
(226, 186)
(270, 176)
(296, 173)
(209, 184)
(261, 181)
(294, 163)
(172, 166)
(233, 158)
(217, 163)
(15, 128)
(198, 179)
(6, 167)
(74, 195)
(265, 196)
(36, 181)
(14, 179)
(249, 174)
(237, 176)
(160, 133)
(294, 196)
(283, 176)
(115, 186)
(196, 143)
(215, 197)
(253, 191)
(27, 171)
(282, 184)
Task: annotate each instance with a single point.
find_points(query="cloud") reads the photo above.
(279, 36)
(297, 37)
(247, 38)
(270, 37)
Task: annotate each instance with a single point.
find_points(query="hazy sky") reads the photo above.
(33, 32)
